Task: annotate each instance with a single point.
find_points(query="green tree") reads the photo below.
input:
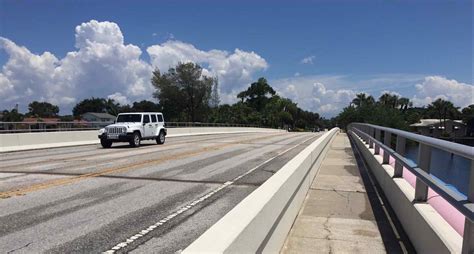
(404, 103)
(388, 100)
(146, 106)
(362, 99)
(442, 110)
(385, 112)
(349, 115)
(258, 94)
(125, 108)
(183, 89)
(467, 116)
(12, 116)
(222, 114)
(215, 99)
(97, 105)
(42, 109)
(112, 107)
(259, 105)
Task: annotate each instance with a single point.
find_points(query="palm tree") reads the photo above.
(370, 100)
(389, 100)
(394, 101)
(358, 100)
(112, 107)
(362, 99)
(384, 99)
(404, 103)
(443, 110)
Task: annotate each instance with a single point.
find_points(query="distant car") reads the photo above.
(133, 128)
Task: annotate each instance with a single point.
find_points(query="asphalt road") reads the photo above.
(151, 199)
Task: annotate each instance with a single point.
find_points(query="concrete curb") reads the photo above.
(261, 222)
(34, 141)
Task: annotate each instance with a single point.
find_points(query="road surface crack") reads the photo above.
(328, 230)
(24, 246)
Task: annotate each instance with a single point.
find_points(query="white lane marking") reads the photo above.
(195, 202)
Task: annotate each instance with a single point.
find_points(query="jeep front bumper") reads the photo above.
(123, 137)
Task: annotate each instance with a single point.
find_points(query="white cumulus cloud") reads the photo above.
(234, 70)
(331, 101)
(434, 87)
(328, 95)
(98, 32)
(314, 94)
(120, 98)
(103, 65)
(308, 60)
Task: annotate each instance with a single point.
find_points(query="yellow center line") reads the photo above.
(89, 156)
(59, 182)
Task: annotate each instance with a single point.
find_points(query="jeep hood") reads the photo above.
(123, 124)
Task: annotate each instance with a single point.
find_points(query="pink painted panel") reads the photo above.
(446, 210)
(409, 177)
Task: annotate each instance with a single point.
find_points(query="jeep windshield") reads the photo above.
(129, 118)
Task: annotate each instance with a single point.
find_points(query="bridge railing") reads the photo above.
(382, 137)
(21, 127)
(199, 124)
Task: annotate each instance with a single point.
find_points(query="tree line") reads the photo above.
(393, 111)
(186, 95)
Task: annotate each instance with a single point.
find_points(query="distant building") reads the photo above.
(436, 128)
(35, 123)
(98, 117)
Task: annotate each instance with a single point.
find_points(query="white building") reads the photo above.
(439, 128)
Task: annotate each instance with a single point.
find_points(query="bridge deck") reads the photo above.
(342, 211)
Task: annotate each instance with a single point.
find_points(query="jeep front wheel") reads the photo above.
(161, 138)
(136, 139)
(105, 143)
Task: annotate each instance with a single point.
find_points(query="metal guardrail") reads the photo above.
(199, 124)
(21, 127)
(372, 134)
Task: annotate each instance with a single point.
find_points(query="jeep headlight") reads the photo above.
(102, 131)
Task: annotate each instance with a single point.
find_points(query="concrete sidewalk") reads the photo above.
(337, 215)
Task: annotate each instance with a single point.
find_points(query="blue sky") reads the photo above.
(349, 46)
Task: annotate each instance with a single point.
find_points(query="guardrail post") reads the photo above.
(371, 134)
(366, 131)
(468, 238)
(377, 137)
(387, 139)
(400, 149)
(424, 161)
(361, 131)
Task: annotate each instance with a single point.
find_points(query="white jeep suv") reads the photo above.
(133, 128)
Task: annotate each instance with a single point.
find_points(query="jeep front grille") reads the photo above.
(116, 130)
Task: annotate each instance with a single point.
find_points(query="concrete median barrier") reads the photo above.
(28, 141)
(261, 222)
